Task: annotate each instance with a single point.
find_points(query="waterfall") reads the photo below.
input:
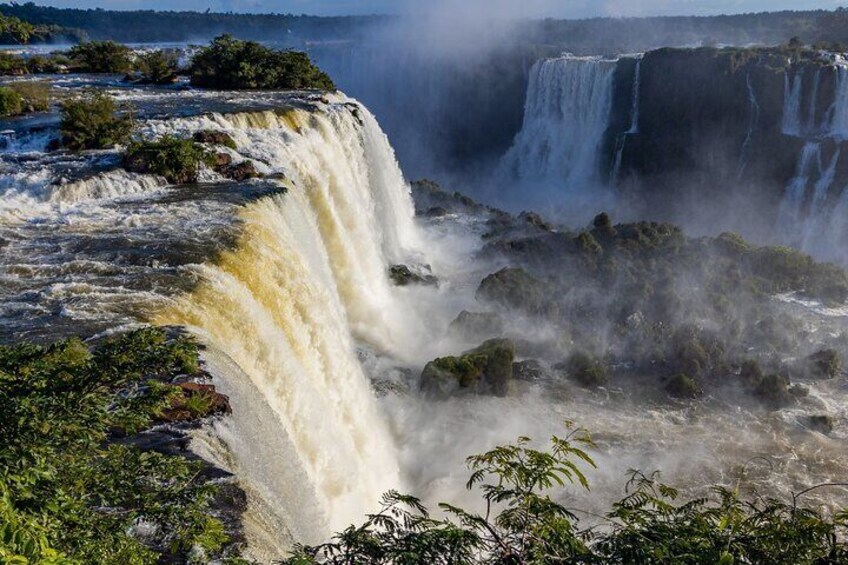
(838, 114)
(752, 124)
(569, 102)
(791, 209)
(305, 282)
(634, 111)
(792, 104)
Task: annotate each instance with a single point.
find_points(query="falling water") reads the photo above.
(307, 278)
(567, 113)
(752, 124)
(792, 104)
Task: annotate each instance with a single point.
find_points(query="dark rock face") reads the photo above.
(710, 122)
(825, 364)
(486, 369)
(529, 370)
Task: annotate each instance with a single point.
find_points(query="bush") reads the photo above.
(157, 67)
(526, 523)
(101, 57)
(69, 493)
(35, 95)
(96, 122)
(229, 63)
(178, 160)
(11, 102)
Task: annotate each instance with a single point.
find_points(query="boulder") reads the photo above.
(477, 325)
(773, 391)
(535, 220)
(683, 387)
(516, 289)
(583, 369)
(824, 364)
(221, 161)
(403, 275)
(822, 424)
(213, 137)
(486, 369)
(241, 171)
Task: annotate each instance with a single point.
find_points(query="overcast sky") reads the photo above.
(530, 8)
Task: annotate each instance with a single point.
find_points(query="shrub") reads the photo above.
(12, 64)
(526, 523)
(101, 57)
(229, 63)
(178, 160)
(68, 492)
(35, 95)
(96, 122)
(11, 102)
(157, 67)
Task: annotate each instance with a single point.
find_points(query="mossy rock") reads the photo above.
(214, 137)
(515, 288)
(485, 369)
(683, 387)
(820, 423)
(824, 364)
(402, 275)
(584, 369)
(773, 391)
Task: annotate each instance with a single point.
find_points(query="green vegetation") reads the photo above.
(101, 57)
(94, 122)
(73, 489)
(178, 160)
(585, 370)
(11, 102)
(156, 67)
(35, 95)
(526, 523)
(229, 63)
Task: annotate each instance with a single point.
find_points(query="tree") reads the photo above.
(95, 122)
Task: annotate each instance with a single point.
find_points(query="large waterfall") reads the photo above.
(307, 277)
(567, 113)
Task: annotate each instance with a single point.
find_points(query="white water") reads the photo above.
(558, 150)
(792, 104)
(307, 279)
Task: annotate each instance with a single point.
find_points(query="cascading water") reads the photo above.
(558, 149)
(792, 104)
(634, 123)
(309, 276)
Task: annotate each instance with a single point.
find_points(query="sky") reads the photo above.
(528, 8)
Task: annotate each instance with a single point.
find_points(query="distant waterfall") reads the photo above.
(792, 104)
(558, 150)
(634, 123)
(753, 122)
(308, 277)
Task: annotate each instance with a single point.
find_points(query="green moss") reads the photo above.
(585, 370)
(487, 368)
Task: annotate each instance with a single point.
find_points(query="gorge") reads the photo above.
(369, 333)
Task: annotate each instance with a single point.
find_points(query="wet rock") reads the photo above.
(528, 370)
(403, 275)
(821, 423)
(486, 369)
(773, 391)
(436, 212)
(583, 369)
(221, 161)
(213, 137)
(197, 401)
(824, 364)
(477, 325)
(683, 387)
(241, 171)
(515, 288)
